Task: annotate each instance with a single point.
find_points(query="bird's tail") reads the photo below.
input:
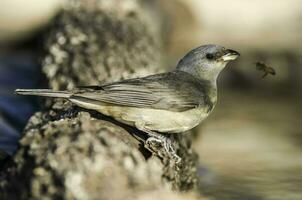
(44, 92)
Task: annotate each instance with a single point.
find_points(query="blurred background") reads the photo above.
(251, 145)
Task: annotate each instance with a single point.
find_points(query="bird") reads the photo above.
(159, 104)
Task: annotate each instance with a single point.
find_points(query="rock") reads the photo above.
(70, 153)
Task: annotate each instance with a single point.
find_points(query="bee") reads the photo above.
(261, 66)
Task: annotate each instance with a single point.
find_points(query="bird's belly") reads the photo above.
(157, 120)
(152, 119)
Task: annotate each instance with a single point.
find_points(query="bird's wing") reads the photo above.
(175, 91)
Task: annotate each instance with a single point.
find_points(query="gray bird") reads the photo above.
(171, 102)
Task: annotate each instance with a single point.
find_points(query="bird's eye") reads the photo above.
(210, 56)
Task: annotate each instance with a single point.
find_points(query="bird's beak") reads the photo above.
(230, 55)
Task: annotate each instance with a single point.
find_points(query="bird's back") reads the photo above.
(173, 91)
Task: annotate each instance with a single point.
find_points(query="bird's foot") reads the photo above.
(158, 140)
(159, 144)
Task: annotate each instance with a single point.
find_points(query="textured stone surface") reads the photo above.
(97, 41)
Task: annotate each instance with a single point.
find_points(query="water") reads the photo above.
(251, 147)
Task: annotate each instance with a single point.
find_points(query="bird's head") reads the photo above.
(207, 61)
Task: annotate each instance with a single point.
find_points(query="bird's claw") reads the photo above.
(154, 142)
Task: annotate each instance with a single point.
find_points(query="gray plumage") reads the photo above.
(175, 91)
(184, 96)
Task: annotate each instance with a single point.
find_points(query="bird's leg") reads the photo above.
(157, 138)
